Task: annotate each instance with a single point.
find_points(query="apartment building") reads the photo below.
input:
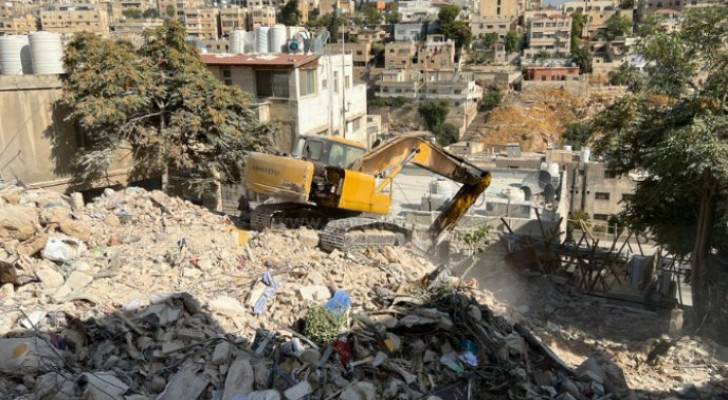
(264, 3)
(345, 7)
(549, 35)
(303, 10)
(400, 54)
(73, 18)
(459, 90)
(361, 52)
(14, 8)
(436, 52)
(116, 8)
(597, 13)
(261, 16)
(305, 94)
(370, 35)
(500, 8)
(132, 29)
(176, 8)
(201, 23)
(21, 25)
(417, 11)
(232, 18)
(480, 26)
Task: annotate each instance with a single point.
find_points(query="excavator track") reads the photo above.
(361, 232)
(293, 215)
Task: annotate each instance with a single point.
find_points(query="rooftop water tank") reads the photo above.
(249, 42)
(278, 37)
(293, 30)
(567, 147)
(585, 154)
(237, 42)
(15, 56)
(261, 39)
(46, 49)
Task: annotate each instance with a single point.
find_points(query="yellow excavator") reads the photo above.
(336, 185)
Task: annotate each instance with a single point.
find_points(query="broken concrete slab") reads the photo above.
(186, 384)
(240, 378)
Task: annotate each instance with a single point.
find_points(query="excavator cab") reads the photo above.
(332, 151)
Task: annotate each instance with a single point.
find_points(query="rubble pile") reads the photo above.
(137, 295)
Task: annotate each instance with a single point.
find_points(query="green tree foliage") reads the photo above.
(170, 11)
(132, 13)
(512, 42)
(371, 15)
(162, 103)
(488, 40)
(675, 130)
(392, 15)
(583, 58)
(433, 113)
(626, 4)
(452, 28)
(447, 134)
(616, 26)
(577, 134)
(627, 75)
(151, 13)
(491, 99)
(578, 22)
(289, 14)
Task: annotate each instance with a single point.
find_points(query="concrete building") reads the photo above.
(400, 54)
(592, 188)
(74, 18)
(459, 90)
(490, 9)
(261, 16)
(409, 32)
(201, 23)
(551, 70)
(176, 8)
(597, 13)
(16, 8)
(305, 94)
(549, 35)
(437, 52)
(232, 18)
(21, 25)
(500, 26)
(417, 11)
(345, 7)
(361, 52)
(132, 29)
(372, 35)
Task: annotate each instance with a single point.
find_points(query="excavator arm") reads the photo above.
(388, 160)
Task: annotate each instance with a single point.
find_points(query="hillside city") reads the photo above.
(359, 200)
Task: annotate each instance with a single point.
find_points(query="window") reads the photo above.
(228, 82)
(271, 84)
(226, 73)
(347, 81)
(601, 196)
(609, 174)
(600, 217)
(307, 84)
(336, 82)
(627, 197)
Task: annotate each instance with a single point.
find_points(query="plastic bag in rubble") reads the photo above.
(270, 291)
(61, 248)
(340, 303)
(19, 356)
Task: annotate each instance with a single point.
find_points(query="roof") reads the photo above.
(260, 60)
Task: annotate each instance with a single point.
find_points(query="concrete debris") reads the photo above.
(162, 300)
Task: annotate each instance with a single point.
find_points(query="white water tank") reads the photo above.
(249, 42)
(15, 56)
(237, 42)
(46, 49)
(278, 38)
(261, 39)
(567, 147)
